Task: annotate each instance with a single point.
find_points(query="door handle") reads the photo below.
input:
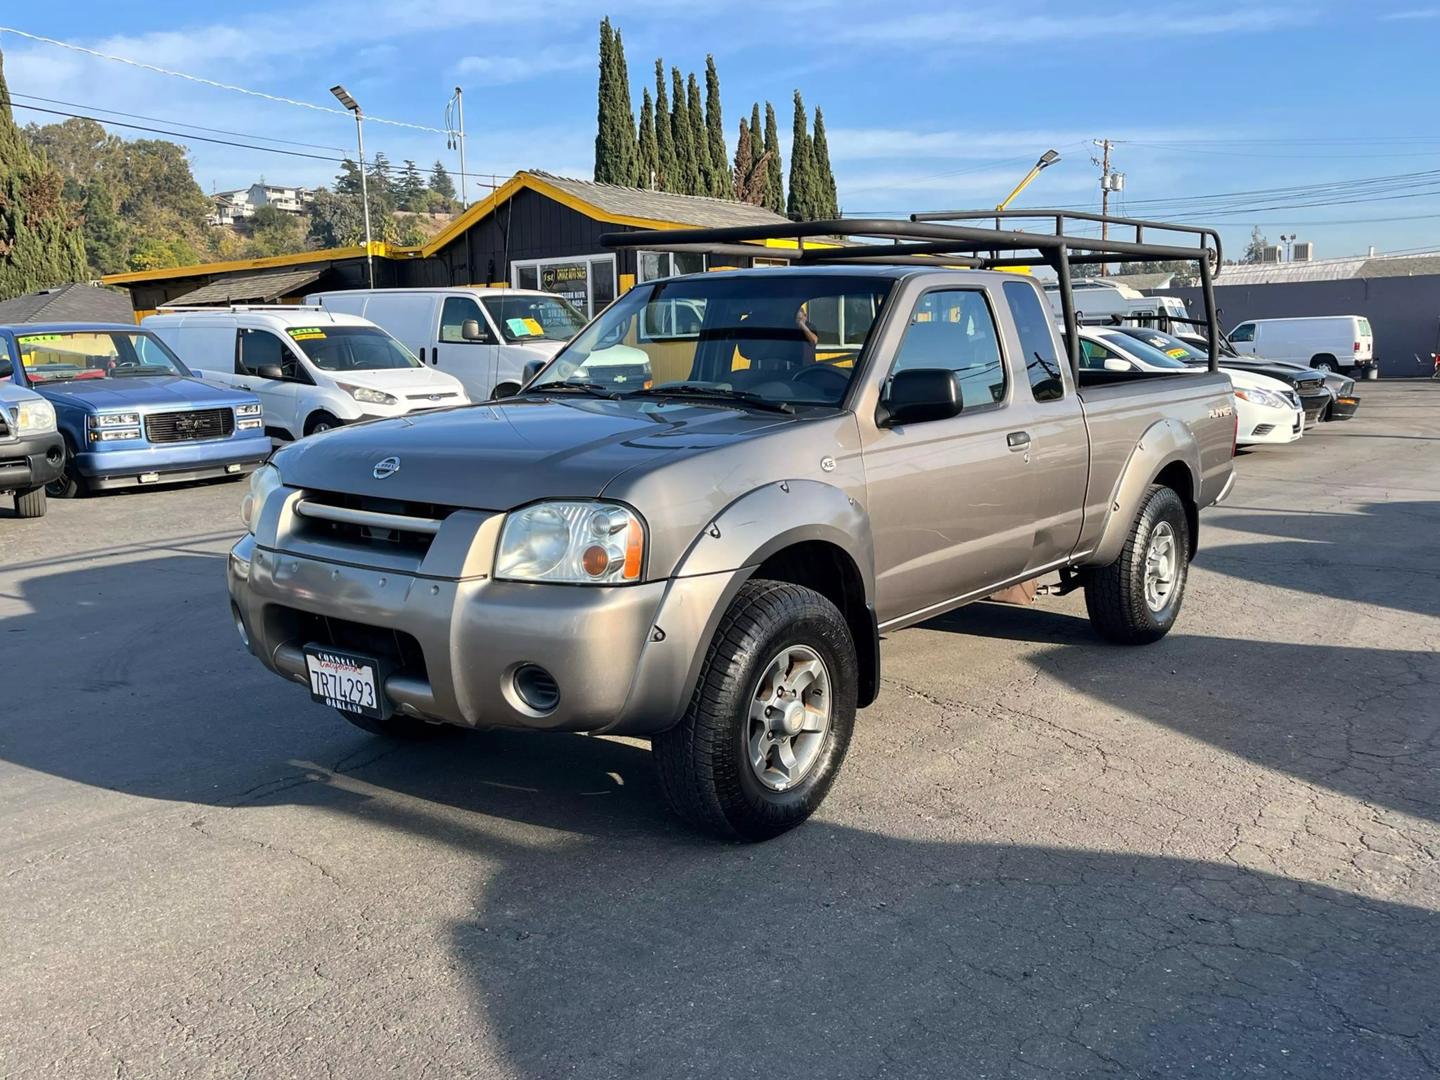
(241, 386)
(1018, 440)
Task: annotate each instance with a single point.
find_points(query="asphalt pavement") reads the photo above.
(1046, 856)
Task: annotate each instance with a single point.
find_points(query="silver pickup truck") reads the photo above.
(707, 552)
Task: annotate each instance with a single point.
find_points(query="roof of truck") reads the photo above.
(286, 315)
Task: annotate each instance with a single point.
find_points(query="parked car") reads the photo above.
(484, 337)
(1343, 399)
(1326, 342)
(1267, 410)
(1307, 383)
(313, 369)
(710, 562)
(129, 410)
(32, 452)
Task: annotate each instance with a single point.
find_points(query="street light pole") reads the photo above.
(343, 96)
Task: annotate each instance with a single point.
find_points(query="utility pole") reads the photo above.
(455, 136)
(1109, 181)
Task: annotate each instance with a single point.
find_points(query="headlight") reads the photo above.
(582, 543)
(364, 393)
(114, 419)
(1267, 398)
(34, 418)
(263, 481)
(249, 410)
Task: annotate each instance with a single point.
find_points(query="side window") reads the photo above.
(260, 348)
(1243, 332)
(953, 328)
(1037, 340)
(1093, 355)
(7, 362)
(453, 315)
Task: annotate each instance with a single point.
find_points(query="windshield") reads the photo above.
(351, 348)
(777, 338)
(534, 318)
(67, 355)
(1141, 349)
(1172, 346)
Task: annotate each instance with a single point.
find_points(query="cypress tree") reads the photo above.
(615, 147)
(704, 168)
(604, 137)
(649, 150)
(801, 204)
(687, 169)
(827, 205)
(668, 171)
(774, 172)
(625, 116)
(743, 179)
(41, 243)
(721, 185)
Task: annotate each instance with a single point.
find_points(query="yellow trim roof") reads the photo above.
(269, 262)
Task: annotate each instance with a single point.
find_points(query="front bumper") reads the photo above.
(172, 463)
(1344, 408)
(1314, 403)
(31, 461)
(624, 658)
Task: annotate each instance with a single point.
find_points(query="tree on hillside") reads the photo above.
(616, 152)
(649, 149)
(1255, 250)
(274, 232)
(381, 180)
(347, 181)
(668, 170)
(826, 202)
(410, 188)
(802, 200)
(695, 113)
(774, 172)
(339, 220)
(440, 182)
(687, 165)
(721, 186)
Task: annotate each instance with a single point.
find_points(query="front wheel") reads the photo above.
(770, 720)
(69, 484)
(320, 422)
(1136, 599)
(30, 504)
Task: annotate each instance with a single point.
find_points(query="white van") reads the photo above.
(1099, 299)
(312, 369)
(484, 337)
(1326, 342)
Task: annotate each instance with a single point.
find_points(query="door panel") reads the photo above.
(472, 362)
(280, 398)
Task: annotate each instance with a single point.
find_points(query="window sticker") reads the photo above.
(522, 327)
(34, 339)
(306, 333)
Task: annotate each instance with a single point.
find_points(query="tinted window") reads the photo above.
(454, 314)
(1142, 350)
(351, 348)
(1093, 355)
(259, 348)
(1032, 323)
(1243, 332)
(65, 355)
(952, 328)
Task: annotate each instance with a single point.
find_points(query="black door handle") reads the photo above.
(1018, 440)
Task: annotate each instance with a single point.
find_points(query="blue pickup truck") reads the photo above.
(130, 411)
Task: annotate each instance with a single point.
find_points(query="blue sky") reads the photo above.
(928, 105)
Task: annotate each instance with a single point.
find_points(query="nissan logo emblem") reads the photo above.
(385, 467)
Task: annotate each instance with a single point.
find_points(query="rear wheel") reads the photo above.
(30, 504)
(770, 719)
(1325, 363)
(1136, 599)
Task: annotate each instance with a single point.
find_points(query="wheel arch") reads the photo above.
(1166, 454)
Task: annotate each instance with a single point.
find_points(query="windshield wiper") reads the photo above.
(700, 390)
(593, 389)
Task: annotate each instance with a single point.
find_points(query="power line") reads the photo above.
(211, 82)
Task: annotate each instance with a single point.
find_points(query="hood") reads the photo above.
(1249, 380)
(149, 392)
(399, 380)
(543, 350)
(498, 456)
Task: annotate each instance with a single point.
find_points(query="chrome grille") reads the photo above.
(189, 426)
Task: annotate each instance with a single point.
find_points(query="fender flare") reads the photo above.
(1163, 444)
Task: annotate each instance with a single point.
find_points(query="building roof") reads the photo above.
(1354, 266)
(267, 286)
(69, 303)
(1143, 281)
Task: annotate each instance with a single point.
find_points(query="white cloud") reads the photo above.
(496, 70)
(1411, 15)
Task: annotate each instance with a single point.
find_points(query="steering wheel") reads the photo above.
(829, 381)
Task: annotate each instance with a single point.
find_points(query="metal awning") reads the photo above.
(271, 285)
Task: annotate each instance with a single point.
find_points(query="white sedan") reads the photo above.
(1266, 410)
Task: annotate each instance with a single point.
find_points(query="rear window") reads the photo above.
(1032, 323)
(1365, 328)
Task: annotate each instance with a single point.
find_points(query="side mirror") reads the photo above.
(7, 369)
(1116, 364)
(920, 395)
(530, 370)
(270, 371)
(470, 330)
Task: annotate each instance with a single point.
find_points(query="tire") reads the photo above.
(1325, 363)
(395, 726)
(30, 504)
(704, 761)
(69, 484)
(1116, 595)
(320, 421)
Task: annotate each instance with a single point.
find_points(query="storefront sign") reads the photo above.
(567, 280)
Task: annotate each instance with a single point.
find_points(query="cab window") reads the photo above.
(1243, 332)
(1032, 324)
(953, 329)
(261, 348)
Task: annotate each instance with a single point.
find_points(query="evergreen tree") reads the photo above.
(687, 166)
(801, 204)
(1255, 250)
(40, 240)
(440, 182)
(667, 172)
(649, 149)
(347, 182)
(721, 185)
(615, 149)
(774, 172)
(626, 112)
(827, 202)
(747, 184)
(382, 185)
(410, 188)
(704, 168)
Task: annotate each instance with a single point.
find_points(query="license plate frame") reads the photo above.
(348, 681)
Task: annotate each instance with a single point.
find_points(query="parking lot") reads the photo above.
(1216, 856)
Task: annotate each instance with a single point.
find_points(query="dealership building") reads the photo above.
(536, 231)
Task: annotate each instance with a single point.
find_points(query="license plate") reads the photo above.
(344, 680)
(149, 478)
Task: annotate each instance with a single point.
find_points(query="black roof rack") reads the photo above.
(935, 240)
